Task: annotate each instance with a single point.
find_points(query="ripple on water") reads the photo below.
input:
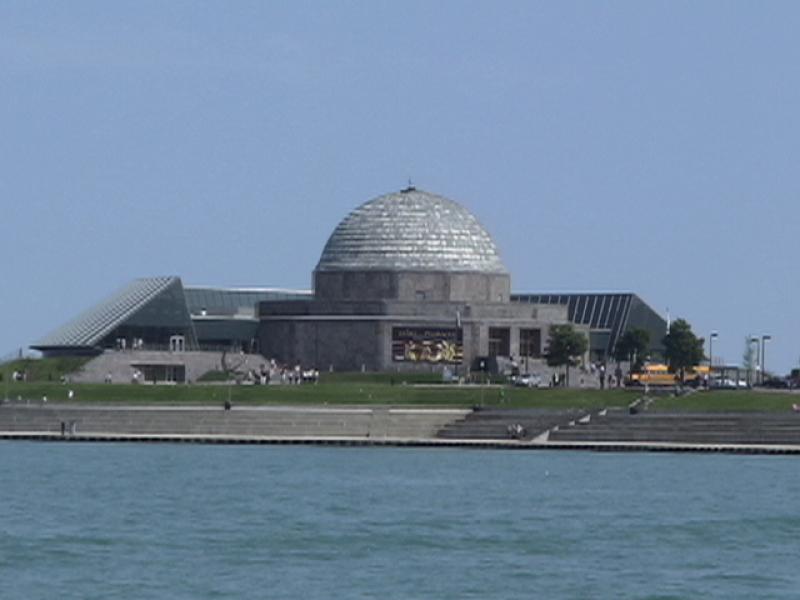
(130, 521)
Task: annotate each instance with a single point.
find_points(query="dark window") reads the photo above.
(530, 343)
(499, 341)
(612, 315)
(571, 305)
(591, 309)
(606, 306)
(578, 316)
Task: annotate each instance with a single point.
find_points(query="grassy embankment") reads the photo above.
(358, 393)
(362, 389)
(45, 369)
(334, 388)
(346, 393)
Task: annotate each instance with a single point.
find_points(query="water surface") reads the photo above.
(192, 521)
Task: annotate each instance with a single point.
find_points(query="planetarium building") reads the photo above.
(407, 281)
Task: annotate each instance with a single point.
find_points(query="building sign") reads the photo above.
(427, 344)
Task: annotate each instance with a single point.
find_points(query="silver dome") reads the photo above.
(411, 230)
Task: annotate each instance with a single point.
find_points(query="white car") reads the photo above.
(728, 384)
(527, 380)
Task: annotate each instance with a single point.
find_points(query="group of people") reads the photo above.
(136, 344)
(606, 379)
(516, 431)
(275, 373)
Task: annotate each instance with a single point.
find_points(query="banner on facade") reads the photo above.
(427, 344)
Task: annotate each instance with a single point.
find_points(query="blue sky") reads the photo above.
(634, 146)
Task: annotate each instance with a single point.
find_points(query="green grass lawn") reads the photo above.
(728, 400)
(363, 389)
(44, 369)
(323, 393)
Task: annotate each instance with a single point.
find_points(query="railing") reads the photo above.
(186, 348)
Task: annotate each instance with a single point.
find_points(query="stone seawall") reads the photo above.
(241, 422)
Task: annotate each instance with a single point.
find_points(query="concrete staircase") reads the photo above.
(493, 424)
(279, 422)
(706, 428)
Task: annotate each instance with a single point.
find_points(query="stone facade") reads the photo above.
(348, 336)
(408, 281)
(412, 286)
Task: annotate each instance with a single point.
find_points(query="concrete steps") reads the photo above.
(740, 428)
(493, 424)
(239, 421)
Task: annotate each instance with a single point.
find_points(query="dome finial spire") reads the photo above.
(410, 187)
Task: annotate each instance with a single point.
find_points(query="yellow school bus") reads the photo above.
(659, 374)
(654, 374)
(698, 376)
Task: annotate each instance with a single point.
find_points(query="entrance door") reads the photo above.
(177, 343)
(175, 373)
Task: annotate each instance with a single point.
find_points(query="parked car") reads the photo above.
(727, 383)
(719, 383)
(777, 383)
(527, 380)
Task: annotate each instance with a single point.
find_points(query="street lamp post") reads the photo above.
(754, 340)
(764, 340)
(711, 338)
(710, 357)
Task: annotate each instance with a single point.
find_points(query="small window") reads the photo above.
(499, 341)
(420, 295)
(530, 343)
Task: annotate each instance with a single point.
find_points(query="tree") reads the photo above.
(682, 348)
(565, 347)
(632, 347)
(749, 357)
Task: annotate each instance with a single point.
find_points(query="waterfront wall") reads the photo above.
(273, 422)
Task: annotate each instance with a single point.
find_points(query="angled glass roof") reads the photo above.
(242, 302)
(613, 313)
(91, 326)
(598, 311)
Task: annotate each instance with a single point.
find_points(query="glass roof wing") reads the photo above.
(88, 328)
(608, 312)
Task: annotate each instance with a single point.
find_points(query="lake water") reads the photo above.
(190, 521)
